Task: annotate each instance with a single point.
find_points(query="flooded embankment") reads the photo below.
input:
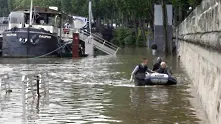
(97, 90)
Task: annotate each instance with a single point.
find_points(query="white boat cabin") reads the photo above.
(45, 18)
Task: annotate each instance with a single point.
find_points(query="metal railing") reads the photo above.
(35, 90)
(99, 42)
(3, 27)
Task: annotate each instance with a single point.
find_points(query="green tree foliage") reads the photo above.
(131, 14)
(3, 8)
(124, 36)
(120, 10)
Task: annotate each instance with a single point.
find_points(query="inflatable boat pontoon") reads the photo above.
(156, 79)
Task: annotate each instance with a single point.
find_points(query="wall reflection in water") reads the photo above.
(161, 104)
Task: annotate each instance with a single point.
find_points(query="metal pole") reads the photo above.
(89, 13)
(30, 18)
(38, 86)
(0, 85)
(9, 90)
(177, 39)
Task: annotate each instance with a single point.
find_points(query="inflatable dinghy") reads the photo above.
(156, 79)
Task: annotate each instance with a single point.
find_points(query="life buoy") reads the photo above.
(23, 40)
(34, 40)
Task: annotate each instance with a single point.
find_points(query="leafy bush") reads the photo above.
(124, 36)
(139, 39)
(127, 37)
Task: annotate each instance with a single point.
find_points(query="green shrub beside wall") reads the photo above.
(127, 37)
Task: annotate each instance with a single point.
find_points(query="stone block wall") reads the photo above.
(203, 25)
(204, 70)
(199, 45)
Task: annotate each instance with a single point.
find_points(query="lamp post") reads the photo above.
(148, 36)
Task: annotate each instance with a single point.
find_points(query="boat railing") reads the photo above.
(34, 86)
(3, 27)
(99, 42)
(35, 90)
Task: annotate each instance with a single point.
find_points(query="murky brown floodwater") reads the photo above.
(96, 90)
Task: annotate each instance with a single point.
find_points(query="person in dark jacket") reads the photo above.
(156, 66)
(164, 69)
(140, 70)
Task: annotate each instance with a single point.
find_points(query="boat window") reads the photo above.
(41, 19)
(51, 21)
(58, 22)
(45, 19)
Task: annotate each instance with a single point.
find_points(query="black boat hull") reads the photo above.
(29, 42)
(69, 55)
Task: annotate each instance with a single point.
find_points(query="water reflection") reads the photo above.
(155, 105)
(96, 90)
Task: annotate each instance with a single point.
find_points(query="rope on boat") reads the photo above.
(51, 51)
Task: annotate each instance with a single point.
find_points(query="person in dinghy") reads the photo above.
(139, 73)
(164, 69)
(156, 66)
(166, 79)
(142, 75)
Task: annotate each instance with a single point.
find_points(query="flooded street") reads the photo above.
(97, 91)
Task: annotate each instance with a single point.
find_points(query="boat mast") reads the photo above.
(31, 8)
(30, 24)
(90, 15)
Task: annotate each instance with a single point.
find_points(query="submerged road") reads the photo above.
(97, 90)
